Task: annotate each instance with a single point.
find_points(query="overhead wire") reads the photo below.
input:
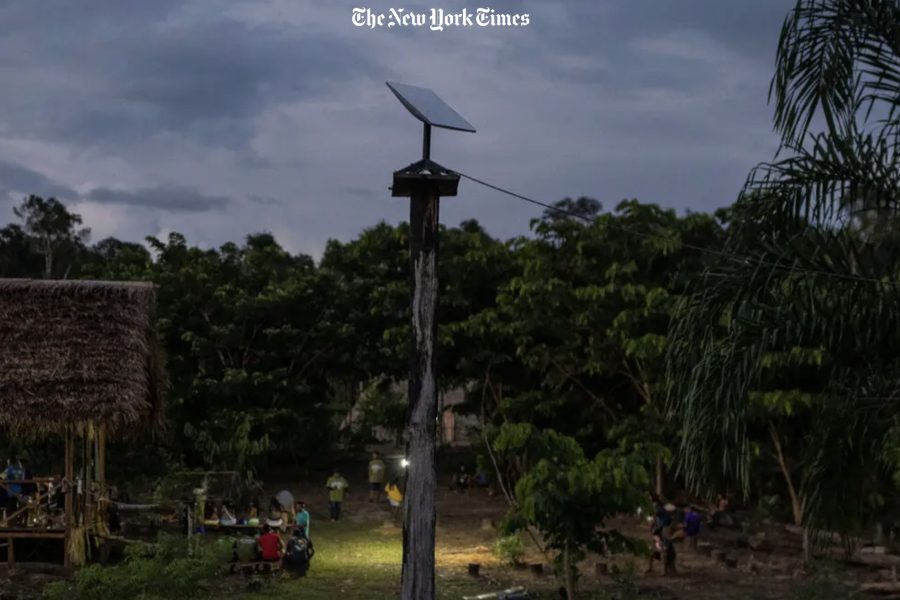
(744, 260)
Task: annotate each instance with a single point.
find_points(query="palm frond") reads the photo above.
(836, 58)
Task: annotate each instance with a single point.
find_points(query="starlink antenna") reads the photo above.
(427, 107)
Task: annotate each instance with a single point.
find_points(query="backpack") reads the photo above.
(298, 549)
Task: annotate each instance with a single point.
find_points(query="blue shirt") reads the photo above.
(14, 473)
(302, 521)
(691, 524)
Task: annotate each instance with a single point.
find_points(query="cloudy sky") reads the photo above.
(218, 118)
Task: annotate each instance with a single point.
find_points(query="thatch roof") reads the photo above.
(77, 351)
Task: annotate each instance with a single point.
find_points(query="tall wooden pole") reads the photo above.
(424, 182)
(417, 582)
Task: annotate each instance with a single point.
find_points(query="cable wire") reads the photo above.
(744, 260)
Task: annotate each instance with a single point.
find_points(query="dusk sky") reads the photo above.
(222, 118)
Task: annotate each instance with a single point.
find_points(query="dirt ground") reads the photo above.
(764, 559)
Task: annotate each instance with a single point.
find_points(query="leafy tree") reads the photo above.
(576, 342)
(53, 228)
(568, 497)
(247, 344)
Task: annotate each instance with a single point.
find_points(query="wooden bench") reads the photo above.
(259, 567)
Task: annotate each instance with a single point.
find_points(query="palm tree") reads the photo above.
(811, 268)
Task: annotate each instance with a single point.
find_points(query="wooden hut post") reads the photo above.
(69, 508)
(101, 454)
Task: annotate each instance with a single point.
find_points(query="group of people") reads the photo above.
(666, 528)
(338, 487)
(462, 481)
(295, 555)
(296, 552)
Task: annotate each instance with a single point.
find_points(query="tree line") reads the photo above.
(755, 349)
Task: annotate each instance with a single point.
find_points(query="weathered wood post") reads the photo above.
(424, 183)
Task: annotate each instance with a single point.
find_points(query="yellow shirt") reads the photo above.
(393, 493)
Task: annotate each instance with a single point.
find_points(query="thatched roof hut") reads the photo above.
(76, 352)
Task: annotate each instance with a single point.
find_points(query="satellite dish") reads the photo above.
(426, 106)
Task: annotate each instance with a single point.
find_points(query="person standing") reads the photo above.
(376, 476)
(692, 526)
(301, 519)
(664, 551)
(337, 487)
(394, 496)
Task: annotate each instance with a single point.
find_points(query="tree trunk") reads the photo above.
(659, 476)
(796, 500)
(48, 260)
(417, 579)
(569, 575)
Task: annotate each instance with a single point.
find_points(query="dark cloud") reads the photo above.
(102, 78)
(16, 178)
(168, 198)
(282, 104)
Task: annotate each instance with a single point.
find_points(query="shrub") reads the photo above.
(166, 570)
(510, 549)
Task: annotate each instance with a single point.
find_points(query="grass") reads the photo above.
(362, 562)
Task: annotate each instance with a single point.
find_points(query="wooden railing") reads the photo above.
(41, 485)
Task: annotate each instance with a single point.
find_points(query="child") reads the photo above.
(301, 519)
(664, 551)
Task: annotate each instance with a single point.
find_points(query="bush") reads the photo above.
(625, 585)
(166, 570)
(510, 549)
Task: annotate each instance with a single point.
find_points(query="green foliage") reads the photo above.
(568, 497)
(798, 338)
(54, 232)
(510, 549)
(383, 407)
(169, 569)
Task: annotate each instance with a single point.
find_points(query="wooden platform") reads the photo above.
(33, 533)
(8, 536)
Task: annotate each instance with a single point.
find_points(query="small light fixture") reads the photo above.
(404, 463)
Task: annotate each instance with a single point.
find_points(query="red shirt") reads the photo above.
(269, 545)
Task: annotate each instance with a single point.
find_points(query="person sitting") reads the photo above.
(271, 546)
(276, 519)
(212, 516)
(461, 480)
(245, 549)
(298, 554)
(226, 518)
